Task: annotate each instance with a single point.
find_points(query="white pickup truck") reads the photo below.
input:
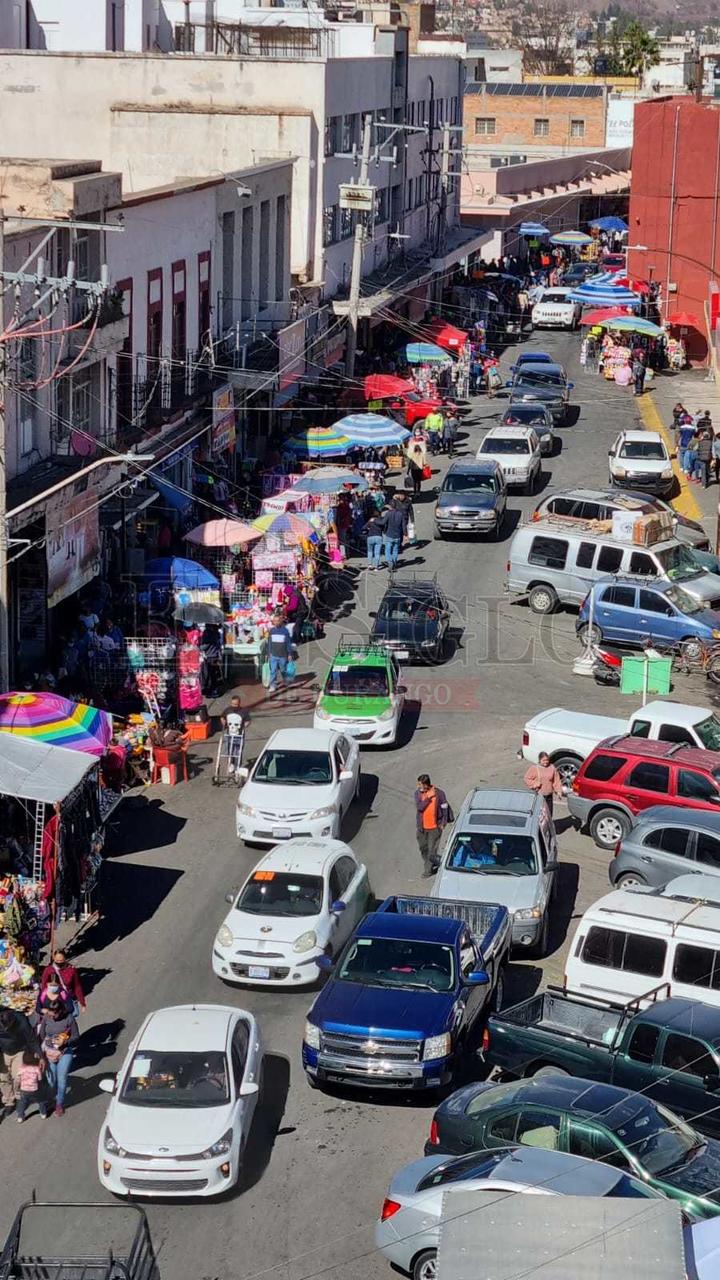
(570, 736)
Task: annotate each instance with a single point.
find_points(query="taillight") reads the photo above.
(582, 606)
(434, 1135)
(389, 1208)
(485, 1044)
(526, 738)
(507, 567)
(576, 787)
(618, 847)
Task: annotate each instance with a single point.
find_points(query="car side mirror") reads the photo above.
(109, 1084)
(338, 906)
(346, 775)
(372, 613)
(570, 386)
(402, 688)
(711, 1083)
(244, 772)
(248, 1089)
(325, 963)
(478, 978)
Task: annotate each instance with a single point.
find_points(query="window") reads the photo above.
(248, 292)
(603, 768)
(537, 1127)
(468, 959)
(349, 132)
(485, 126)
(669, 840)
(643, 1043)
(708, 850)
(604, 947)
(577, 128)
(502, 1128)
(640, 562)
(346, 224)
(648, 776)
(331, 134)
(610, 559)
(329, 221)
(644, 955)
(623, 596)
(653, 603)
(179, 312)
(264, 277)
(585, 555)
(563, 507)
(586, 1140)
(696, 966)
(695, 786)
(682, 1053)
(238, 1052)
(613, 949)
(381, 204)
(335, 884)
(549, 552)
(675, 733)
(541, 127)
(640, 729)
(345, 868)
(228, 270)
(203, 298)
(280, 228)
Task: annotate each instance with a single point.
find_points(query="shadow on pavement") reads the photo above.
(132, 895)
(266, 1121)
(568, 878)
(360, 810)
(97, 1043)
(145, 824)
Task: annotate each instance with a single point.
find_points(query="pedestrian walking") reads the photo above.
(393, 530)
(65, 976)
(544, 779)
(280, 651)
(374, 530)
(432, 816)
(434, 427)
(16, 1035)
(32, 1085)
(678, 416)
(685, 433)
(211, 648)
(638, 375)
(450, 427)
(703, 457)
(58, 1032)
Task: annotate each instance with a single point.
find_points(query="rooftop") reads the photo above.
(187, 1026)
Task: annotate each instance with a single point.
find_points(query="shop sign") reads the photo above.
(353, 196)
(72, 544)
(291, 358)
(222, 434)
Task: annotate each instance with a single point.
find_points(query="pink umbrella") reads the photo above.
(222, 533)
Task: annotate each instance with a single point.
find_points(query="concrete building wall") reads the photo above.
(13, 24)
(520, 119)
(493, 66)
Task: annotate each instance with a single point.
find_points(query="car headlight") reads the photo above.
(527, 913)
(312, 1035)
(225, 936)
(387, 715)
(438, 1046)
(111, 1145)
(246, 809)
(306, 941)
(321, 713)
(427, 644)
(327, 811)
(667, 473)
(219, 1148)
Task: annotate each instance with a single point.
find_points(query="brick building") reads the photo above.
(529, 117)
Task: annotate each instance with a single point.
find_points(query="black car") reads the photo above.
(413, 619)
(528, 413)
(546, 383)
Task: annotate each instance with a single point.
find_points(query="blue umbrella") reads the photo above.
(172, 571)
(532, 229)
(609, 223)
(328, 480)
(426, 353)
(372, 430)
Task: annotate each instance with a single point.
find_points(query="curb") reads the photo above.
(685, 503)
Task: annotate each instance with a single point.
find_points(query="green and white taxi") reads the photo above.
(362, 695)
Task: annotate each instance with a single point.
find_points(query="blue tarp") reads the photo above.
(175, 572)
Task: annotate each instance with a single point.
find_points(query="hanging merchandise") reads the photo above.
(153, 667)
(189, 688)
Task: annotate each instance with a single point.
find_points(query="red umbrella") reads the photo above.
(637, 286)
(446, 335)
(684, 319)
(378, 386)
(603, 315)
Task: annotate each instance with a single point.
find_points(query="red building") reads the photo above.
(674, 218)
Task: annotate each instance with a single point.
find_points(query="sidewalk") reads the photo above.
(656, 407)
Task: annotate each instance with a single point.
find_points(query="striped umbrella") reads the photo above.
(318, 442)
(287, 524)
(48, 718)
(605, 296)
(572, 238)
(426, 353)
(372, 430)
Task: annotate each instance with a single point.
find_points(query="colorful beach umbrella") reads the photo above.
(380, 386)
(372, 430)
(318, 442)
(603, 315)
(571, 238)
(222, 533)
(425, 353)
(48, 718)
(327, 480)
(287, 524)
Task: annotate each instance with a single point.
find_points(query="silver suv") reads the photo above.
(599, 504)
(471, 499)
(666, 842)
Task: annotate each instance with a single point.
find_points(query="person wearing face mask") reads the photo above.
(57, 1032)
(65, 976)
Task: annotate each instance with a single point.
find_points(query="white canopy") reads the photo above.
(38, 771)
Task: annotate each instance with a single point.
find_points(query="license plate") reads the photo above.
(282, 833)
(464, 524)
(402, 653)
(258, 971)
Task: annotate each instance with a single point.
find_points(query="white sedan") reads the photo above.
(301, 901)
(555, 309)
(183, 1103)
(302, 784)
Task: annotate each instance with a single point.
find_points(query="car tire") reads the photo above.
(608, 826)
(589, 636)
(567, 766)
(630, 880)
(424, 1267)
(438, 536)
(542, 599)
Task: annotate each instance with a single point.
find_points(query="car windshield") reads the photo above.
(708, 731)
(682, 601)
(554, 296)
(647, 450)
(368, 682)
(506, 444)
(533, 377)
(658, 1140)
(398, 962)
(294, 768)
(487, 853)
(520, 416)
(459, 483)
(462, 1170)
(678, 563)
(405, 609)
(180, 1079)
(275, 893)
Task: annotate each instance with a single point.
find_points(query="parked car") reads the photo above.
(301, 901)
(640, 460)
(664, 842)
(502, 848)
(302, 784)
(528, 413)
(531, 357)
(600, 504)
(412, 619)
(670, 1050)
(600, 1121)
(633, 613)
(548, 383)
(555, 309)
(412, 408)
(182, 1103)
(578, 272)
(517, 452)
(471, 499)
(362, 694)
(624, 776)
(420, 1195)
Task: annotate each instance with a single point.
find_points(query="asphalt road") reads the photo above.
(319, 1164)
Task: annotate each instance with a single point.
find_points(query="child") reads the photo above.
(30, 1080)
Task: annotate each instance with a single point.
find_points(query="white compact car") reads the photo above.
(555, 309)
(639, 460)
(301, 784)
(517, 452)
(183, 1103)
(301, 901)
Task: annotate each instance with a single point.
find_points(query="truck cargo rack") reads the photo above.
(86, 1241)
(485, 919)
(360, 645)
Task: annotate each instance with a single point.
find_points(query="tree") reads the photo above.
(545, 34)
(640, 50)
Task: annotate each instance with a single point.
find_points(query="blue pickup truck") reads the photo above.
(408, 995)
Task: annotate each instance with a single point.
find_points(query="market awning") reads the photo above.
(38, 772)
(446, 335)
(378, 386)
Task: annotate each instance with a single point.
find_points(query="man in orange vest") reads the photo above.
(433, 814)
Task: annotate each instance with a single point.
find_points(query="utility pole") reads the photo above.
(4, 626)
(444, 190)
(351, 341)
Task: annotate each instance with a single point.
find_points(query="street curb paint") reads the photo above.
(685, 503)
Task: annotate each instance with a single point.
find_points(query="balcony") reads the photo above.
(96, 341)
(152, 392)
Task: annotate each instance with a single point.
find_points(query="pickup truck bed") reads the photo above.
(550, 1012)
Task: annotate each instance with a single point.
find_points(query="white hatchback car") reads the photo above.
(517, 452)
(301, 901)
(301, 784)
(555, 309)
(183, 1103)
(639, 460)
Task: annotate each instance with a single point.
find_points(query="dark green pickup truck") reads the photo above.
(670, 1050)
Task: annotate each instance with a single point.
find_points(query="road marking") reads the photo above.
(686, 502)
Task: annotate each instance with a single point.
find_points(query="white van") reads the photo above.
(630, 943)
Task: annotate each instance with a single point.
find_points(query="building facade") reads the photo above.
(520, 118)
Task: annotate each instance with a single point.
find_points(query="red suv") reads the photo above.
(623, 776)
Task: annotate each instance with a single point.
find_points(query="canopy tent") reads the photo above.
(318, 442)
(638, 286)
(684, 320)
(175, 572)
(378, 386)
(39, 772)
(532, 229)
(446, 335)
(372, 430)
(48, 718)
(326, 480)
(426, 353)
(610, 223)
(572, 239)
(222, 533)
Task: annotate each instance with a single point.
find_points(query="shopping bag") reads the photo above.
(290, 669)
(411, 531)
(265, 674)
(427, 472)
